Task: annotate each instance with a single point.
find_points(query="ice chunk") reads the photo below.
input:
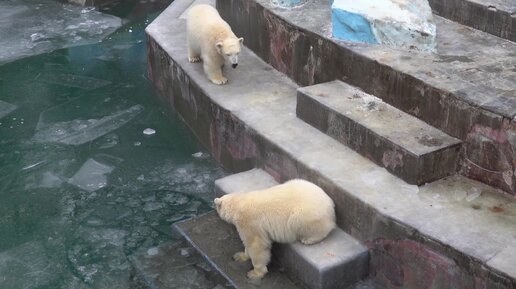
(50, 180)
(108, 141)
(6, 108)
(27, 266)
(79, 131)
(91, 176)
(149, 131)
(30, 29)
(197, 155)
(399, 23)
(152, 251)
(76, 81)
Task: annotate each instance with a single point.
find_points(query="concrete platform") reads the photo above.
(406, 146)
(444, 233)
(467, 89)
(496, 17)
(217, 241)
(339, 261)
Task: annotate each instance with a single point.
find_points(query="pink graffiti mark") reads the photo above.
(230, 135)
(280, 45)
(392, 159)
(489, 155)
(496, 135)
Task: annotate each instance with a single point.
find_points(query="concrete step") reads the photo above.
(338, 261)
(452, 233)
(217, 241)
(497, 17)
(467, 89)
(406, 146)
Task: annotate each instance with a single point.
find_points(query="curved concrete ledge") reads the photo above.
(467, 89)
(454, 233)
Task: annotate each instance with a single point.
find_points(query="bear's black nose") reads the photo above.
(235, 65)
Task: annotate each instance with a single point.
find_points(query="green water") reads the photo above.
(82, 187)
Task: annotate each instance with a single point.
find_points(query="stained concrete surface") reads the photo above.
(466, 89)
(256, 125)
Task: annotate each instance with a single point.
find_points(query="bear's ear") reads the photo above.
(218, 45)
(241, 40)
(217, 201)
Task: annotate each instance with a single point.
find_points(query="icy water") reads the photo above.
(94, 169)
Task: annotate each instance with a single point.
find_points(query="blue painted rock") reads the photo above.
(400, 23)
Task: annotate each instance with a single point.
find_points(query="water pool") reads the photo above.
(93, 167)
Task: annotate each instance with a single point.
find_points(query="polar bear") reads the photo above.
(294, 211)
(211, 39)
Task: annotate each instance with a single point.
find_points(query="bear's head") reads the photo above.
(229, 48)
(225, 208)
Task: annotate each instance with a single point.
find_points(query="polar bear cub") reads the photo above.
(211, 39)
(294, 211)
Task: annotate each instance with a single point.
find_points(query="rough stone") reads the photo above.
(401, 23)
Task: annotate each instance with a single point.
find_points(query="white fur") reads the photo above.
(211, 39)
(294, 211)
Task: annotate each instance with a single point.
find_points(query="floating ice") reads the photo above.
(79, 131)
(29, 29)
(91, 176)
(108, 141)
(149, 131)
(6, 108)
(76, 81)
(197, 155)
(50, 180)
(152, 251)
(27, 266)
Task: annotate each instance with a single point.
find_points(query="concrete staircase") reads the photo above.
(338, 261)
(451, 232)
(466, 89)
(415, 152)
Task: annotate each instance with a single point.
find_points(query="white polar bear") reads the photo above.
(294, 211)
(210, 38)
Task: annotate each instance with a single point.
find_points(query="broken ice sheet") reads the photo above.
(30, 29)
(91, 176)
(75, 81)
(6, 108)
(79, 131)
(27, 266)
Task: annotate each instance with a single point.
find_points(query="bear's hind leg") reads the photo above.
(260, 253)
